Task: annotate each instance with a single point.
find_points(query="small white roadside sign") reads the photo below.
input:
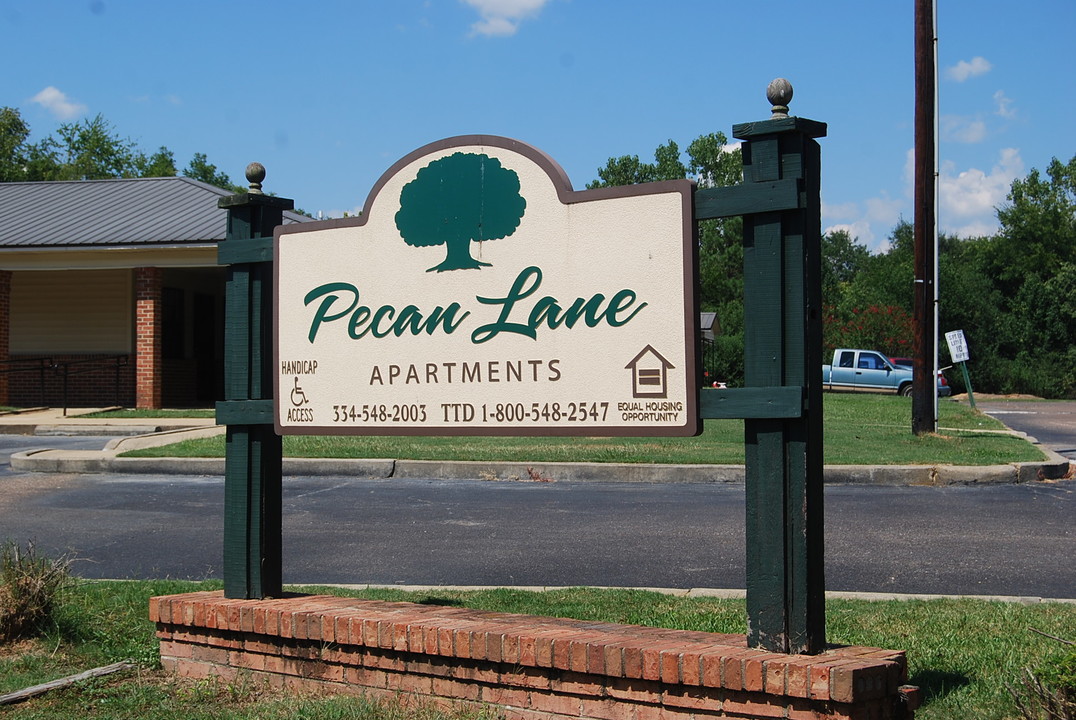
(958, 347)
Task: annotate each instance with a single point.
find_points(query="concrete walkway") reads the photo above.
(133, 434)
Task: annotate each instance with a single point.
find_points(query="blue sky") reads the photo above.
(328, 94)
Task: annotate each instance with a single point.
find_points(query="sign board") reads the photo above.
(958, 347)
(477, 293)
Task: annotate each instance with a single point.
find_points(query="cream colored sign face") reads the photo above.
(478, 294)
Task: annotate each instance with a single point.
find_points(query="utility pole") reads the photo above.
(924, 387)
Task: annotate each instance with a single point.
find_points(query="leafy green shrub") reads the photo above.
(30, 586)
(1047, 377)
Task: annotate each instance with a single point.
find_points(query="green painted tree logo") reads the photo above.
(457, 200)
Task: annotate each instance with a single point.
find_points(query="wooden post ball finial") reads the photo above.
(779, 93)
(255, 175)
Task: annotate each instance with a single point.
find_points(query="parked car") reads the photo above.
(910, 363)
(869, 371)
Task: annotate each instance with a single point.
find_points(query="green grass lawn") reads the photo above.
(859, 429)
(962, 653)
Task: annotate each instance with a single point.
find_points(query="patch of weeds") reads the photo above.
(1048, 692)
(243, 690)
(30, 589)
(538, 476)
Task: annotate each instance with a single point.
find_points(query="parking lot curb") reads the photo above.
(111, 460)
(107, 461)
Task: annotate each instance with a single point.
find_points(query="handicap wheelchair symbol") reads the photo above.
(298, 397)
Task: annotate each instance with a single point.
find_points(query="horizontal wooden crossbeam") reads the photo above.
(773, 196)
(754, 403)
(246, 250)
(245, 412)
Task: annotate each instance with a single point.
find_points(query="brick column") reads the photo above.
(148, 337)
(5, 331)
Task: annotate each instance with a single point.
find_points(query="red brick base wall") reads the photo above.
(534, 668)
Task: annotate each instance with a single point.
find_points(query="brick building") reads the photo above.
(110, 293)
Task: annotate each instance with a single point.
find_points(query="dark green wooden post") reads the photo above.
(783, 348)
(253, 455)
(782, 402)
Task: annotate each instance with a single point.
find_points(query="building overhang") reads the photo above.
(101, 258)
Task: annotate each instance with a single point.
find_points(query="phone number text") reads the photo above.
(478, 413)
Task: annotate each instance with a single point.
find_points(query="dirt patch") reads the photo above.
(18, 648)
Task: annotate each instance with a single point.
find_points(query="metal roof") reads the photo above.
(128, 212)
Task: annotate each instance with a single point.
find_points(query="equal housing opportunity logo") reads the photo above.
(478, 293)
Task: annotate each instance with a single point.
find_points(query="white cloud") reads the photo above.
(968, 69)
(967, 203)
(883, 209)
(883, 213)
(859, 231)
(1004, 105)
(868, 222)
(909, 173)
(57, 103)
(963, 129)
(967, 199)
(501, 18)
(841, 211)
(495, 27)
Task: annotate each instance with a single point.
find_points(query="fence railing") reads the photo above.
(22, 365)
(65, 369)
(88, 365)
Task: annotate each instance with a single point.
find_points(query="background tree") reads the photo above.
(969, 300)
(1026, 345)
(629, 170)
(887, 278)
(854, 315)
(842, 259)
(160, 164)
(1038, 225)
(713, 163)
(199, 168)
(458, 199)
(21, 160)
(89, 150)
(13, 134)
(1011, 293)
